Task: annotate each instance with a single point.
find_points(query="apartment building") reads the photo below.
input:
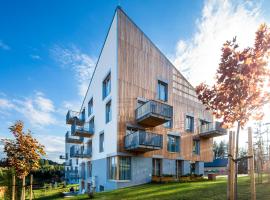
(140, 117)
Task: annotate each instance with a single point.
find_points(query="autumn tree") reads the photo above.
(23, 152)
(242, 84)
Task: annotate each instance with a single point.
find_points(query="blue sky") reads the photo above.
(48, 50)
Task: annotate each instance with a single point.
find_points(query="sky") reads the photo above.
(48, 50)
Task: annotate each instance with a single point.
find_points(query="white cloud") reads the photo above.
(198, 58)
(6, 104)
(81, 63)
(35, 57)
(37, 110)
(4, 46)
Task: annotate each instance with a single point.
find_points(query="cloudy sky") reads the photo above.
(48, 50)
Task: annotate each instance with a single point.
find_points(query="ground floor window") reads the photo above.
(119, 168)
(157, 167)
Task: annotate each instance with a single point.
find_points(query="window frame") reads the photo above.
(189, 129)
(90, 107)
(108, 115)
(101, 145)
(175, 145)
(105, 81)
(165, 85)
(115, 172)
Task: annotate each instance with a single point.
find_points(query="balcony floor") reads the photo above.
(211, 134)
(83, 134)
(152, 120)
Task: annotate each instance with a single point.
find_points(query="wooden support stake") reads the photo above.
(13, 186)
(231, 167)
(23, 189)
(31, 183)
(251, 165)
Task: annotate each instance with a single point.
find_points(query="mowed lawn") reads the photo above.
(171, 191)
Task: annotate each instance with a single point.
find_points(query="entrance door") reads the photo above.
(178, 168)
(157, 167)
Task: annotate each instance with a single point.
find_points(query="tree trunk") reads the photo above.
(251, 165)
(236, 163)
(23, 189)
(13, 186)
(230, 185)
(31, 183)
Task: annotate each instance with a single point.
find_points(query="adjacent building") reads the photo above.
(140, 117)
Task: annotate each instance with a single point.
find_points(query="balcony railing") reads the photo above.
(85, 130)
(67, 163)
(153, 113)
(211, 130)
(143, 141)
(72, 139)
(78, 153)
(62, 157)
(74, 174)
(74, 117)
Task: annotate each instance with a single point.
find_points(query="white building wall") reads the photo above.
(106, 63)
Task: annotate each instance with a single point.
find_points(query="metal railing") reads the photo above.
(86, 128)
(142, 138)
(73, 139)
(77, 152)
(154, 107)
(74, 115)
(72, 174)
(213, 126)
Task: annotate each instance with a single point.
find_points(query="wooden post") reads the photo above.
(231, 167)
(31, 183)
(251, 165)
(23, 189)
(13, 186)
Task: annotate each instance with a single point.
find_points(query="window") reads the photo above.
(168, 124)
(77, 161)
(178, 168)
(89, 168)
(106, 88)
(119, 168)
(92, 125)
(108, 112)
(101, 142)
(196, 147)
(189, 123)
(173, 143)
(83, 115)
(90, 107)
(156, 167)
(162, 91)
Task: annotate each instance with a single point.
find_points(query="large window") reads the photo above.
(173, 143)
(101, 142)
(196, 147)
(189, 123)
(106, 86)
(90, 107)
(108, 112)
(89, 169)
(119, 168)
(162, 91)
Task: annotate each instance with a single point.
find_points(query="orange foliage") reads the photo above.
(242, 81)
(24, 151)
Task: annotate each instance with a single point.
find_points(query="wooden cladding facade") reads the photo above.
(140, 66)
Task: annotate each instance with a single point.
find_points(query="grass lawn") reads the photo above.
(185, 191)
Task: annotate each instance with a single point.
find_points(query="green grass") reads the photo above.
(215, 190)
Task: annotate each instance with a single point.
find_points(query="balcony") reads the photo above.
(153, 113)
(74, 117)
(72, 139)
(79, 153)
(62, 157)
(85, 130)
(211, 130)
(67, 164)
(72, 174)
(143, 141)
